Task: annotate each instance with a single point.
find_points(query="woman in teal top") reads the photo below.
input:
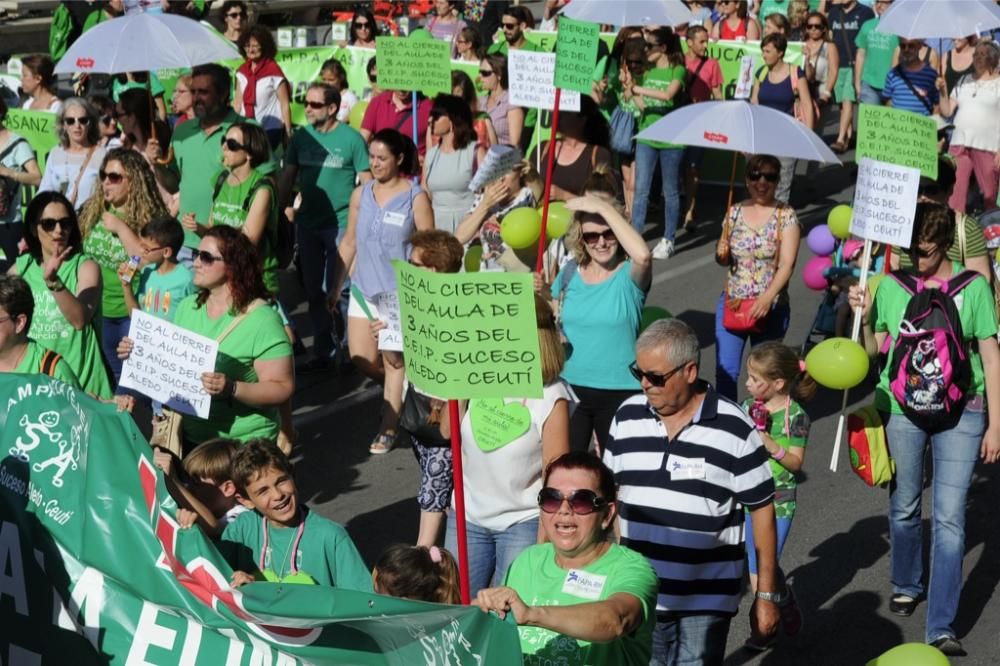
(600, 294)
(110, 223)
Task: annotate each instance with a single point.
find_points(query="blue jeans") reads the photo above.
(681, 639)
(954, 454)
(670, 167)
(113, 329)
(729, 346)
(318, 258)
(490, 551)
(784, 526)
(870, 95)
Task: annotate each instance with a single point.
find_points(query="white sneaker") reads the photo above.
(664, 249)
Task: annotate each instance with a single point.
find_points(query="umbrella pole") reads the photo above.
(539, 263)
(732, 183)
(456, 461)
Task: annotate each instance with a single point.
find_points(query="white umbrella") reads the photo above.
(630, 12)
(739, 126)
(929, 19)
(145, 42)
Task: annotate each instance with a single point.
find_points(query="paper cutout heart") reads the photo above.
(496, 424)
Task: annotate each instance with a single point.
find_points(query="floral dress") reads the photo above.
(755, 252)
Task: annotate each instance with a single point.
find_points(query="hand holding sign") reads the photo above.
(414, 64)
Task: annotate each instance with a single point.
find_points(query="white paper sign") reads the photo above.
(500, 160)
(391, 337)
(885, 202)
(531, 82)
(167, 362)
(744, 84)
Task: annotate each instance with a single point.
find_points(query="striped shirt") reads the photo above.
(902, 96)
(680, 500)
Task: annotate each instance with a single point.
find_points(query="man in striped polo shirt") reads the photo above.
(910, 86)
(687, 461)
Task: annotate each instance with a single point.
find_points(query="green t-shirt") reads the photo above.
(198, 156)
(228, 209)
(976, 311)
(539, 581)
(107, 250)
(975, 243)
(768, 7)
(328, 164)
(260, 336)
(325, 552)
(879, 47)
(31, 364)
(81, 349)
(503, 48)
(795, 435)
(659, 78)
(160, 293)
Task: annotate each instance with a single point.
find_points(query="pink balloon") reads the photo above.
(812, 273)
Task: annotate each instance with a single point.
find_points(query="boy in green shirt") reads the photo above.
(163, 282)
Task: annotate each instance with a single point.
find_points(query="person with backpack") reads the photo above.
(940, 385)
(911, 85)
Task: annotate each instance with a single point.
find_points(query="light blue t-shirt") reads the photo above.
(601, 322)
(161, 293)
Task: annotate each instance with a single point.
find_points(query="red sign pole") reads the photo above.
(456, 457)
(542, 239)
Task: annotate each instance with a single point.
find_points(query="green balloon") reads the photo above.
(357, 114)
(838, 363)
(420, 33)
(473, 257)
(652, 313)
(911, 654)
(521, 228)
(839, 221)
(559, 219)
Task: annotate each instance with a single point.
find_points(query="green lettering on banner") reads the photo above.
(469, 335)
(414, 64)
(576, 53)
(38, 128)
(898, 137)
(95, 570)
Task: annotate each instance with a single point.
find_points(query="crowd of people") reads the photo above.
(618, 524)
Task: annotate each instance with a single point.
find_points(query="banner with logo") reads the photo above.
(95, 570)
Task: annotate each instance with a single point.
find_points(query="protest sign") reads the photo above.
(167, 362)
(94, 568)
(885, 202)
(469, 335)
(500, 160)
(898, 137)
(744, 82)
(414, 64)
(532, 82)
(38, 128)
(576, 54)
(390, 337)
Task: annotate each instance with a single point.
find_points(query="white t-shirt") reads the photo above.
(267, 111)
(501, 486)
(61, 171)
(977, 123)
(54, 107)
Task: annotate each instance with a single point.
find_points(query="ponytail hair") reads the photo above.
(419, 573)
(774, 361)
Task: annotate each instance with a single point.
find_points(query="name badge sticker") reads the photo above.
(584, 585)
(685, 468)
(394, 219)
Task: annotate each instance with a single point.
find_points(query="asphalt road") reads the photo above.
(837, 554)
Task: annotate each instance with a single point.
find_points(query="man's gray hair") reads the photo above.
(674, 337)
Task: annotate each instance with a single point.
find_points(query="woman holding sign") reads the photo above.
(382, 215)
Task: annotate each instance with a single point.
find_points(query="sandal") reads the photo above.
(838, 147)
(381, 444)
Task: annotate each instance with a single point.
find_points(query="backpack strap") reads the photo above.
(220, 180)
(254, 304)
(907, 281)
(50, 360)
(959, 282)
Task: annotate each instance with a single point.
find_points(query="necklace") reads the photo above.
(293, 548)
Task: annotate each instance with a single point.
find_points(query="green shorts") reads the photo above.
(844, 90)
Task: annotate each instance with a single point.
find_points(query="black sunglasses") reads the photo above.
(362, 25)
(923, 254)
(769, 176)
(233, 15)
(509, 26)
(591, 237)
(814, 26)
(485, 72)
(206, 257)
(111, 176)
(49, 224)
(315, 105)
(582, 502)
(233, 144)
(656, 380)
(70, 120)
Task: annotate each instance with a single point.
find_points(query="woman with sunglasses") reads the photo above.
(383, 214)
(502, 514)
(109, 225)
(262, 91)
(364, 29)
(253, 374)
(594, 599)
(822, 59)
(66, 285)
(234, 18)
(600, 294)
(956, 445)
(451, 164)
(110, 135)
(734, 22)
(18, 167)
(507, 120)
(759, 245)
(72, 166)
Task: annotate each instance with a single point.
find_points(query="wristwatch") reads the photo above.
(773, 597)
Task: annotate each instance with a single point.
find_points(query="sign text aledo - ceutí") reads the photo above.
(469, 335)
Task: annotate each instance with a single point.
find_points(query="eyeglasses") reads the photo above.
(509, 26)
(235, 15)
(485, 72)
(112, 177)
(206, 258)
(315, 105)
(814, 26)
(107, 120)
(150, 250)
(69, 121)
(656, 380)
(49, 224)
(591, 237)
(232, 144)
(461, 41)
(769, 176)
(582, 502)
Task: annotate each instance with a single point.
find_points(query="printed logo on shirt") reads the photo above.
(685, 468)
(584, 585)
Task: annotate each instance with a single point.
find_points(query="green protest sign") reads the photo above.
(95, 570)
(38, 127)
(414, 64)
(576, 53)
(469, 335)
(898, 137)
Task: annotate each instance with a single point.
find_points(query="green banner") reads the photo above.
(898, 137)
(469, 335)
(414, 64)
(576, 53)
(94, 569)
(38, 127)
